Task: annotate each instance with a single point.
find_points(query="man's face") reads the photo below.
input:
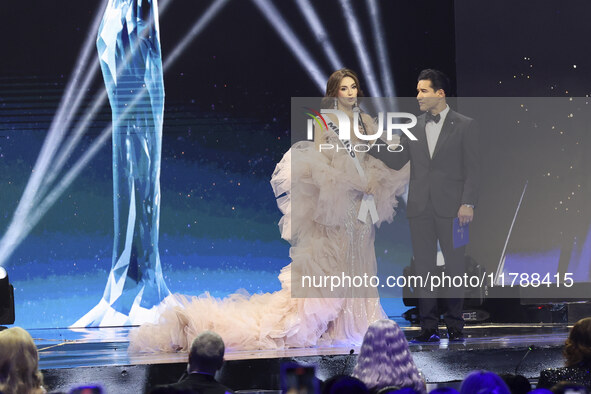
(428, 98)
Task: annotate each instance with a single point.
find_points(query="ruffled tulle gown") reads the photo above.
(319, 196)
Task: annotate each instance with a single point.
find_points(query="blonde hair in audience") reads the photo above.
(19, 363)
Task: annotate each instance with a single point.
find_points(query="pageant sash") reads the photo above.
(368, 204)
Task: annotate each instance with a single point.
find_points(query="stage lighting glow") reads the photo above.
(55, 135)
(379, 38)
(57, 129)
(100, 99)
(295, 45)
(3, 273)
(23, 222)
(198, 27)
(45, 173)
(320, 32)
(82, 124)
(361, 49)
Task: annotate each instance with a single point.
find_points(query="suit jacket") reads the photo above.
(194, 383)
(451, 177)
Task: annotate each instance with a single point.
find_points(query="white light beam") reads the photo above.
(320, 32)
(361, 49)
(198, 27)
(18, 230)
(289, 37)
(56, 130)
(82, 125)
(379, 38)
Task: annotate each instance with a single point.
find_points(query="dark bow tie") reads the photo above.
(432, 118)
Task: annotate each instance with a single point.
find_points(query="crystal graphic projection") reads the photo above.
(129, 52)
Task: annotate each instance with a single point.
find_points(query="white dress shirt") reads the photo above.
(433, 130)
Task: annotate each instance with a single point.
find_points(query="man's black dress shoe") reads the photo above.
(427, 336)
(455, 335)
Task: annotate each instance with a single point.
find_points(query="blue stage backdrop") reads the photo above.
(227, 123)
(218, 216)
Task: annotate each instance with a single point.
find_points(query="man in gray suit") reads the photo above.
(444, 178)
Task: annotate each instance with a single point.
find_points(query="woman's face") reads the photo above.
(347, 95)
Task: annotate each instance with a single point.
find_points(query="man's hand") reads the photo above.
(395, 140)
(465, 214)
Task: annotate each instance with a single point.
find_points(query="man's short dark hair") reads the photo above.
(438, 80)
(207, 352)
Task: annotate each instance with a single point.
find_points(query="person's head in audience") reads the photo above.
(344, 384)
(19, 363)
(518, 384)
(577, 348)
(385, 359)
(206, 356)
(568, 388)
(207, 353)
(483, 382)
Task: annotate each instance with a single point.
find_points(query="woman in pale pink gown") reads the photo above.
(320, 194)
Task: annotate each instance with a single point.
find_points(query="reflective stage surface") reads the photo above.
(70, 357)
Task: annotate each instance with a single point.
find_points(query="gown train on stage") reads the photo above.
(319, 196)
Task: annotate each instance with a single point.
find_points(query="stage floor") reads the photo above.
(68, 348)
(502, 348)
